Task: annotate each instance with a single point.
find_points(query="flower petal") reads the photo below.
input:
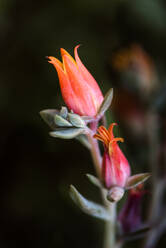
(66, 89)
(80, 87)
(89, 78)
(55, 61)
(64, 52)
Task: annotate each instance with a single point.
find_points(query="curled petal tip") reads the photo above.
(76, 47)
(65, 56)
(54, 61)
(50, 59)
(110, 129)
(63, 52)
(114, 124)
(117, 139)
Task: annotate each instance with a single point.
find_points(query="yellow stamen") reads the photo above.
(110, 129)
(107, 137)
(98, 136)
(117, 139)
(103, 132)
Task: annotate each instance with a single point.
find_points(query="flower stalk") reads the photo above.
(95, 153)
(110, 227)
(109, 230)
(87, 106)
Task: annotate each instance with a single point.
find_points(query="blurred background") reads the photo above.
(123, 46)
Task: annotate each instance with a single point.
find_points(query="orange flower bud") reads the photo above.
(80, 91)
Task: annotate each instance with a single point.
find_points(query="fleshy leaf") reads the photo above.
(48, 116)
(76, 120)
(137, 179)
(106, 103)
(94, 180)
(64, 112)
(67, 133)
(88, 119)
(83, 139)
(139, 233)
(61, 122)
(87, 206)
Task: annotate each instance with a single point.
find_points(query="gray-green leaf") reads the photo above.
(88, 207)
(137, 179)
(64, 112)
(61, 122)
(76, 120)
(106, 103)
(48, 116)
(94, 180)
(88, 119)
(83, 140)
(67, 133)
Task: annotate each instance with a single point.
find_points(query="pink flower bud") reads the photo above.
(115, 167)
(80, 91)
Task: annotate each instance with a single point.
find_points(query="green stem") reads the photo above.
(110, 228)
(109, 236)
(95, 153)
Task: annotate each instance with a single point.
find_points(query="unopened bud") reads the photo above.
(80, 91)
(115, 194)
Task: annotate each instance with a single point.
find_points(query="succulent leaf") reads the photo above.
(67, 133)
(64, 112)
(106, 103)
(137, 179)
(48, 116)
(94, 180)
(87, 206)
(83, 140)
(61, 122)
(76, 120)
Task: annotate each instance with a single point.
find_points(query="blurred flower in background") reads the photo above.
(137, 85)
(130, 216)
(137, 68)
